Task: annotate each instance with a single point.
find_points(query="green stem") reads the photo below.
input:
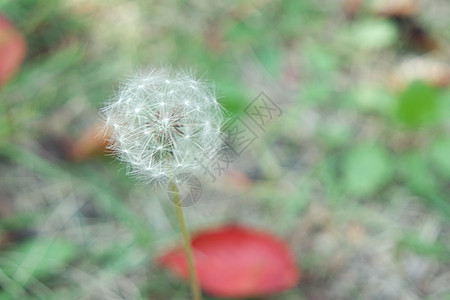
(187, 244)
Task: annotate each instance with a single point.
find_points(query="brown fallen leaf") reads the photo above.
(429, 70)
(396, 8)
(403, 13)
(351, 8)
(91, 142)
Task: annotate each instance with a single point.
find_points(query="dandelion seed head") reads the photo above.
(155, 129)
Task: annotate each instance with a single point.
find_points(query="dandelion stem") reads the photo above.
(187, 243)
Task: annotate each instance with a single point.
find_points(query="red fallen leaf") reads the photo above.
(236, 262)
(12, 50)
(399, 8)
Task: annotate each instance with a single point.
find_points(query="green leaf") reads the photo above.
(335, 135)
(417, 105)
(416, 173)
(414, 243)
(232, 98)
(366, 169)
(317, 92)
(37, 258)
(372, 98)
(321, 60)
(440, 156)
(420, 180)
(372, 34)
(270, 56)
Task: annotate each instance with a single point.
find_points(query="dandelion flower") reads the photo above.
(163, 123)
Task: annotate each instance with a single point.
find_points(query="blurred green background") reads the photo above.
(354, 174)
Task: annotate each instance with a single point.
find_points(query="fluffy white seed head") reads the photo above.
(163, 123)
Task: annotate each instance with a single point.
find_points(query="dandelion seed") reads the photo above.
(157, 133)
